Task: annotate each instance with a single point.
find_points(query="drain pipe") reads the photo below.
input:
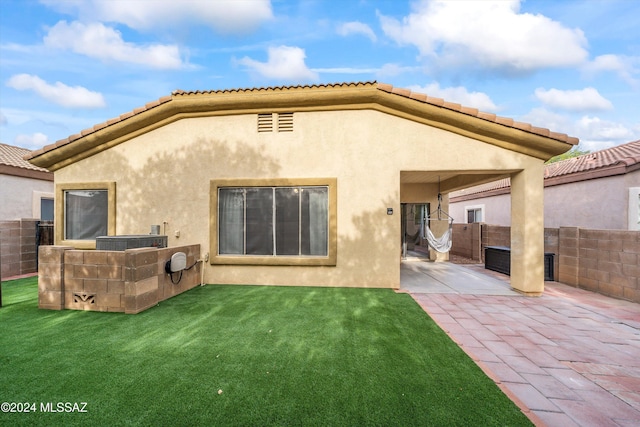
(204, 260)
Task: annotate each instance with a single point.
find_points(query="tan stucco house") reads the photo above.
(296, 185)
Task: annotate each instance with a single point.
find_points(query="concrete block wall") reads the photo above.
(18, 247)
(51, 277)
(93, 280)
(466, 241)
(10, 248)
(568, 255)
(602, 261)
(608, 262)
(28, 246)
(121, 281)
(495, 235)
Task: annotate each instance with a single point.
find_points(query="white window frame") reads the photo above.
(467, 209)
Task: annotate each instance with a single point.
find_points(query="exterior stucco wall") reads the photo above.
(496, 210)
(17, 195)
(163, 177)
(595, 204)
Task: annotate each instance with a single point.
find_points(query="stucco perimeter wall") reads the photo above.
(122, 281)
(18, 247)
(601, 204)
(163, 177)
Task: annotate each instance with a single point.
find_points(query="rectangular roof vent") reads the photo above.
(285, 122)
(265, 122)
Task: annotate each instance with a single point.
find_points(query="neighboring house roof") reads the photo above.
(612, 161)
(500, 131)
(12, 162)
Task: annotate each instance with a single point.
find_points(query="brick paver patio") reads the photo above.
(568, 358)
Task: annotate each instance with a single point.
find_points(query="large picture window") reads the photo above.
(278, 221)
(274, 224)
(84, 212)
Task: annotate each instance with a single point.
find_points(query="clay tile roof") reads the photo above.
(483, 188)
(418, 97)
(505, 121)
(15, 157)
(625, 154)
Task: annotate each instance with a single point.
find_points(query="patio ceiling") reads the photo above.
(452, 180)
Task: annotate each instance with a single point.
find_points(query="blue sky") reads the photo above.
(571, 66)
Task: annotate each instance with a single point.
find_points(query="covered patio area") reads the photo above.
(418, 275)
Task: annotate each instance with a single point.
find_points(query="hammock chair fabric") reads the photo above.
(440, 244)
(443, 243)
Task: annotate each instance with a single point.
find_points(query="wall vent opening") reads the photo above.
(285, 122)
(265, 122)
(81, 297)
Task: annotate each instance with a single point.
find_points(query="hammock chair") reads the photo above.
(443, 243)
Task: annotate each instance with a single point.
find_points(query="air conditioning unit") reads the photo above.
(131, 241)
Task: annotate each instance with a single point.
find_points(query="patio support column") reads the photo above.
(527, 230)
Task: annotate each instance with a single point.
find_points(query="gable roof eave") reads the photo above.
(502, 132)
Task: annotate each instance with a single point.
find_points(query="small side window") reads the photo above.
(83, 212)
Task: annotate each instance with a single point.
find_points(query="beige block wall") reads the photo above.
(467, 241)
(120, 281)
(18, 247)
(609, 262)
(162, 177)
(602, 261)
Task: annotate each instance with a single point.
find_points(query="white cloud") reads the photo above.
(459, 95)
(587, 99)
(105, 43)
(345, 70)
(594, 128)
(225, 16)
(58, 93)
(487, 34)
(355, 27)
(391, 70)
(32, 141)
(594, 133)
(284, 63)
(3, 119)
(624, 66)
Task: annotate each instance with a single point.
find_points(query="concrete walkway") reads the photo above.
(568, 358)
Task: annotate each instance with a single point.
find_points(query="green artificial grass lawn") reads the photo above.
(243, 355)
